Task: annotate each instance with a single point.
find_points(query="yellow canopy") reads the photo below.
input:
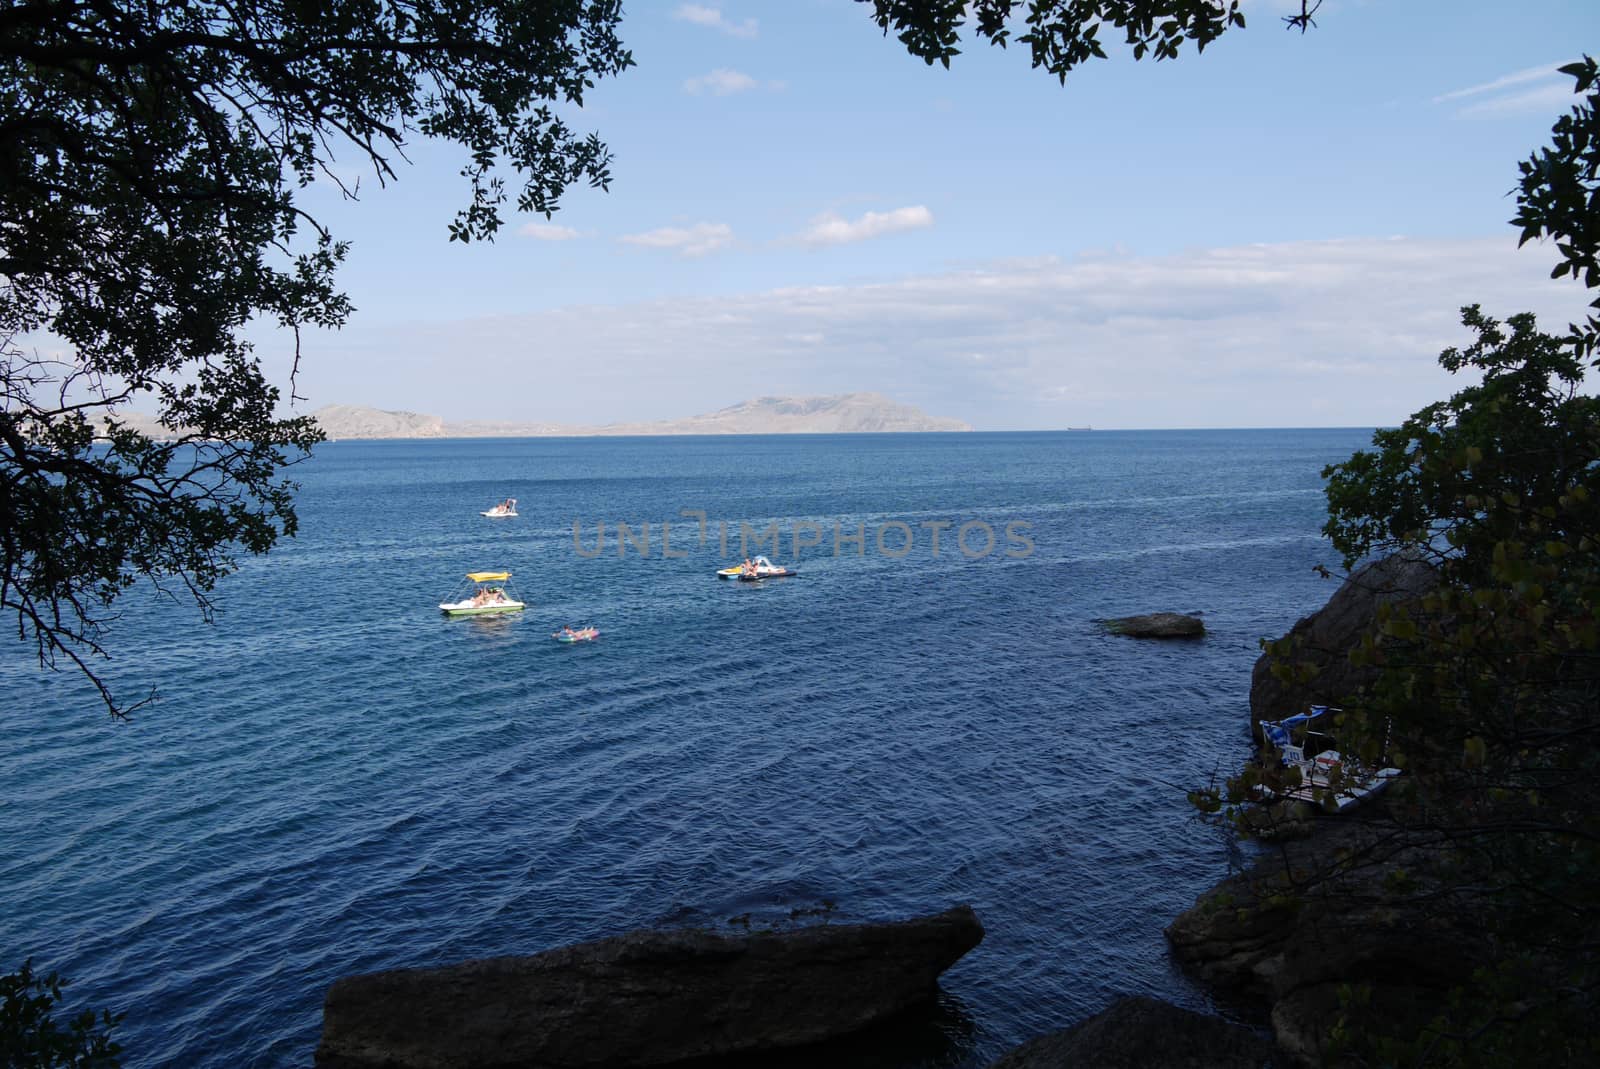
(487, 577)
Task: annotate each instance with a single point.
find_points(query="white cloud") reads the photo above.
(1522, 77)
(830, 229)
(1545, 100)
(701, 15)
(547, 232)
(696, 240)
(1536, 89)
(1298, 334)
(720, 82)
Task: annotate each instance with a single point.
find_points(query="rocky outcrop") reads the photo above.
(1138, 1032)
(1324, 640)
(643, 999)
(1157, 625)
(1344, 926)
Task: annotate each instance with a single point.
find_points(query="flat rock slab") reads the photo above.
(1140, 1033)
(1157, 625)
(642, 999)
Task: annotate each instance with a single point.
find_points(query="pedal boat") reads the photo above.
(1328, 778)
(483, 594)
(761, 568)
(506, 509)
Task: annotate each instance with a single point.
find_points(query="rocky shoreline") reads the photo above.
(1343, 948)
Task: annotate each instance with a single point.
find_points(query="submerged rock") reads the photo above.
(1138, 1032)
(645, 998)
(1157, 625)
(1324, 640)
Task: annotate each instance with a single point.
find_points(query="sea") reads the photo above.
(336, 778)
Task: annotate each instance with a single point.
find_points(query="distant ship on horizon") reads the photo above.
(1080, 428)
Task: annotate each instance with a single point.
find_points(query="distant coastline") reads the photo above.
(851, 413)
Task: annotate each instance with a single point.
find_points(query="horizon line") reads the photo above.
(848, 434)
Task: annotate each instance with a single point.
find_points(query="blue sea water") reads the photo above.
(338, 779)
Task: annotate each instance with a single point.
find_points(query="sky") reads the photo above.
(1278, 232)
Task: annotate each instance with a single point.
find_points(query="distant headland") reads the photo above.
(849, 413)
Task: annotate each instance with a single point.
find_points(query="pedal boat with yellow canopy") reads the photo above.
(482, 594)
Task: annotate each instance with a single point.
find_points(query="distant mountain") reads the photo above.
(847, 413)
(850, 413)
(354, 421)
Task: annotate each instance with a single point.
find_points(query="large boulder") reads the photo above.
(1138, 1032)
(1316, 917)
(1324, 640)
(1157, 625)
(643, 999)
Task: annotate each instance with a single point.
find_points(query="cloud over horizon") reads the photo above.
(1314, 333)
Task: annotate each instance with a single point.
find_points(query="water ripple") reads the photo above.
(339, 782)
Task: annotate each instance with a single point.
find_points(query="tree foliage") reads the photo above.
(147, 215)
(1498, 462)
(31, 1037)
(1063, 34)
(1558, 196)
(1488, 693)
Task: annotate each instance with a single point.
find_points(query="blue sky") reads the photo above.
(1275, 233)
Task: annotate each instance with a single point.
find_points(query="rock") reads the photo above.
(1138, 1032)
(1325, 638)
(1247, 939)
(1157, 625)
(645, 998)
